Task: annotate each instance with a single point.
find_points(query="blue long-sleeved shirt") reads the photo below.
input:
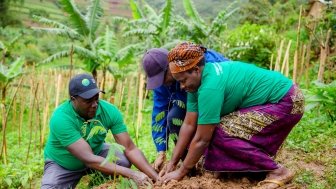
(164, 97)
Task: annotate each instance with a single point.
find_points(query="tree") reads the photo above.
(82, 32)
(8, 72)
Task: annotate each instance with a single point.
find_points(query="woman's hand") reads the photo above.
(160, 159)
(141, 179)
(175, 175)
(169, 167)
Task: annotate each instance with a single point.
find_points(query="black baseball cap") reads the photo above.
(83, 85)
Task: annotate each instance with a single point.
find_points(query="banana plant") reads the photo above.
(8, 72)
(197, 29)
(153, 29)
(114, 59)
(81, 30)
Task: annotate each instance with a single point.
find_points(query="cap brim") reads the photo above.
(90, 93)
(155, 81)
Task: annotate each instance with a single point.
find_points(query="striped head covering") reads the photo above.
(185, 56)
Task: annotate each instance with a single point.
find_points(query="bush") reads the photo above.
(250, 43)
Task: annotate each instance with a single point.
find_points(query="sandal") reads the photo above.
(281, 185)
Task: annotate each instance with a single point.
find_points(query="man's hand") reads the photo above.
(160, 159)
(141, 179)
(169, 167)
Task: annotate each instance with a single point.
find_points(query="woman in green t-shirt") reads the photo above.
(238, 115)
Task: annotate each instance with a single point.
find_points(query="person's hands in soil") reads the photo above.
(160, 159)
(169, 167)
(141, 179)
(175, 175)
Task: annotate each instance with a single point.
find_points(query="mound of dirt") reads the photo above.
(207, 181)
(201, 179)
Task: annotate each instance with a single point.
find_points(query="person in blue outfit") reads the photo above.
(169, 106)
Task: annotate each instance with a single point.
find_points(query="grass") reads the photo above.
(311, 144)
(310, 150)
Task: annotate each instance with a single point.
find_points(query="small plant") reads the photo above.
(322, 96)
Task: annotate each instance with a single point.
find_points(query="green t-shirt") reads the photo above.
(67, 127)
(227, 87)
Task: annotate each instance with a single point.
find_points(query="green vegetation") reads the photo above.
(43, 43)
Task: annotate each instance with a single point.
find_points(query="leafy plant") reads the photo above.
(153, 29)
(322, 96)
(251, 43)
(195, 29)
(7, 74)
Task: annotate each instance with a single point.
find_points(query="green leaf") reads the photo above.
(192, 12)
(111, 155)
(95, 130)
(59, 28)
(149, 11)
(76, 18)
(136, 12)
(56, 56)
(84, 52)
(167, 11)
(15, 68)
(3, 78)
(93, 16)
(2, 46)
(57, 31)
(110, 41)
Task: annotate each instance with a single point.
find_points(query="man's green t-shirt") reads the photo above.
(227, 87)
(67, 127)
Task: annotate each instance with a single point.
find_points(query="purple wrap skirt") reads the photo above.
(248, 139)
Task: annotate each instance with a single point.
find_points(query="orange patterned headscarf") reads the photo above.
(185, 56)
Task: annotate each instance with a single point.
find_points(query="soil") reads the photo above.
(207, 180)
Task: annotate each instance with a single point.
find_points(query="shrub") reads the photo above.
(250, 43)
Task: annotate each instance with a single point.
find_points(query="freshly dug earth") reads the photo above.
(200, 181)
(206, 180)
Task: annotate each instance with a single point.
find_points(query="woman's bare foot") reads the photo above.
(276, 178)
